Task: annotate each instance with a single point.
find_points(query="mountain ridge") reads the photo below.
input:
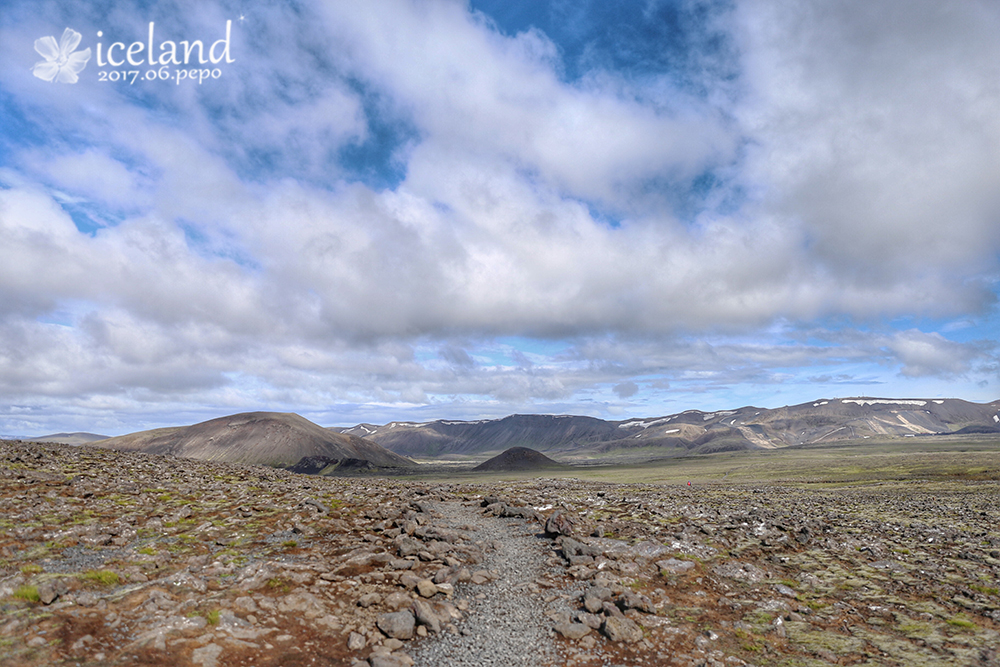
(688, 432)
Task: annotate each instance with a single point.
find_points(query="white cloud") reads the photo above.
(483, 96)
(94, 175)
(923, 354)
(871, 128)
(858, 164)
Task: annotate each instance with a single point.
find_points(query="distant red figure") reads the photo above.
(689, 482)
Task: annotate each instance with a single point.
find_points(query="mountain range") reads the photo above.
(688, 432)
(291, 441)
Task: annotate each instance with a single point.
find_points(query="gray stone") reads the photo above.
(425, 616)
(408, 546)
(398, 624)
(741, 571)
(397, 659)
(49, 590)
(592, 603)
(559, 524)
(786, 590)
(630, 600)
(674, 566)
(397, 600)
(368, 599)
(590, 620)
(206, 656)
(649, 550)
(573, 630)
(595, 597)
(621, 629)
(427, 588)
(302, 602)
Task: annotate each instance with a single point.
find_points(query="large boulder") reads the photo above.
(397, 624)
(621, 629)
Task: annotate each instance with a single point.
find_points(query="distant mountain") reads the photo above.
(691, 431)
(78, 438)
(518, 458)
(437, 438)
(264, 438)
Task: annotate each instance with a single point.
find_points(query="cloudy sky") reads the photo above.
(435, 209)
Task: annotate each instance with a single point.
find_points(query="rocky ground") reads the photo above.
(109, 558)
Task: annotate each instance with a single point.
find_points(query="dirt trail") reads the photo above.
(506, 622)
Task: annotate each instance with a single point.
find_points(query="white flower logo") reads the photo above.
(60, 63)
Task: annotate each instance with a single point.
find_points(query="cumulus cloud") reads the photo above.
(626, 389)
(373, 195)
(923, 354)
(870, 128)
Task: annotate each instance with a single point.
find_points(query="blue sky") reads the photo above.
(414, 210)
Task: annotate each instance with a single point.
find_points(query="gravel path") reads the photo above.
(506, 622)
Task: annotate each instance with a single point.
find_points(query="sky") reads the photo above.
(395, 210)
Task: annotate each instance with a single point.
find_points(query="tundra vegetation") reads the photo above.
(880, 553)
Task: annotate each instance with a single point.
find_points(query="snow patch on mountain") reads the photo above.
(883, 401)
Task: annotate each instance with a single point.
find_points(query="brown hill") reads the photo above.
(78, 438)
(261, 438)
(518, 458)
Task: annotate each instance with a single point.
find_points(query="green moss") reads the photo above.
(749, 641)
(27, 593)
(278, 584)
(962, 623)
(985, 590)
(212, 617)
(31, 568)
(102, 577)
(39, 551)
(813, 639)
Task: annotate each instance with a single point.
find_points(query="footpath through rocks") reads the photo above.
(505, 618)
(114, 559)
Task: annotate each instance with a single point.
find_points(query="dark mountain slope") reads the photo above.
(518, 458)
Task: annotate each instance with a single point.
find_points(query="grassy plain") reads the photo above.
(937, 458)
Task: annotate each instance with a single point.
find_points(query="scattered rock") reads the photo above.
(355, 641)
(49, 590)
(559, 523)
(398, 624)
(573, 630)
(621, 629)
(427, 588)
(675, 566)
(207, 656)
(425, 616)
